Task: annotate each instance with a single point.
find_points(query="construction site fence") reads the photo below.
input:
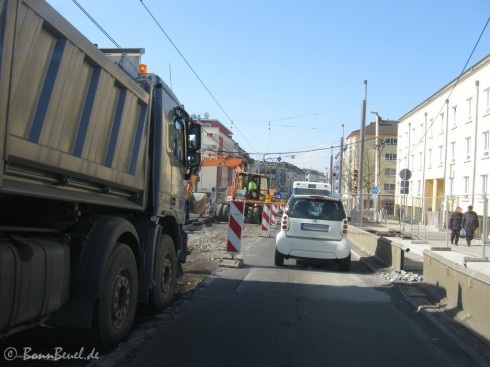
(415, 213)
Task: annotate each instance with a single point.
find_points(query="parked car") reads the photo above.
(314, 227)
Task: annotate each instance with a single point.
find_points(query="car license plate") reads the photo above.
(315, 227)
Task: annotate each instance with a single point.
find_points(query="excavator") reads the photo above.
(251, 188)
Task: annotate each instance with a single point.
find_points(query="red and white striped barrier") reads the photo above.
(266, 212)
(235, 227)
(273, 218)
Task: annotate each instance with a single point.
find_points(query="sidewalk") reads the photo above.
(430, 238)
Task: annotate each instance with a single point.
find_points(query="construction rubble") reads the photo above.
(401, 276)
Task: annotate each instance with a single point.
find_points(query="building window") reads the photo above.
(484, 184)
(421, 162)
(451, 185)
(466, 182)
(452, 150)
(419, 187)
(441, 123)
(389, 187)
(441, 155)
(468, 149)
(487, 99)
(390, 171)
(390, 156)
(431, 127)
(429, 158)
(469, 103)
(391, 141)
(455, 116)
(486, 143)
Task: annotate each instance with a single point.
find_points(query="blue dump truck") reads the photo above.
(94, 157)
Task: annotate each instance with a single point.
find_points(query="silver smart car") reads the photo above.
(314, 227)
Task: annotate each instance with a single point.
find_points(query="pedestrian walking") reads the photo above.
(455, 225)
(469, 224)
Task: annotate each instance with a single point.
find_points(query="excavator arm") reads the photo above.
(210, 159)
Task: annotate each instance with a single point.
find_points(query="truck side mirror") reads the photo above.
(194, 138)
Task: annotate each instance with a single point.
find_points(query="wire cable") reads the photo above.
(410, 151)
(97, 24)
(193, 71)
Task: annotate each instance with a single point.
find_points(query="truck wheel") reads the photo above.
(165, 275)
(219, 212)
(256, 215)
(226, 212)
(249, 214)
(116, 309)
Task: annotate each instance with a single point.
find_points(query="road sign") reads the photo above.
(278, 195)
(375, 190)
(405, 174)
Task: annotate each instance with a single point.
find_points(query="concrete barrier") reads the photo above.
(389, 253)
(467, 291)
(464, 293)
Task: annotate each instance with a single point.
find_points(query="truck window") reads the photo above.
(178, 139)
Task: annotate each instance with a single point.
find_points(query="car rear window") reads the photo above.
(316, 209)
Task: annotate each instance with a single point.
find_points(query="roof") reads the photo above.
(386, 127)
(470, 71)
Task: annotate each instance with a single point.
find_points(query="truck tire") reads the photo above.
(256, 215)
(226, 212)
(165, 276)
(116, 308)
(249, 214)
(219, 212)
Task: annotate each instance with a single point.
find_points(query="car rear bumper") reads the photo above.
(303, 248)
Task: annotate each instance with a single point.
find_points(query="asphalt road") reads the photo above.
(261, 315)
(306, 315)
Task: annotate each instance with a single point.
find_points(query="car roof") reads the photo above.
(312, 196)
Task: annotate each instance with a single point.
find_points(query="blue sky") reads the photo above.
(289, 73)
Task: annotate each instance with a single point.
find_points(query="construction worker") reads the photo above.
(252, 188)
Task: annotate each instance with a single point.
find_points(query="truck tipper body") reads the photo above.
(94, 158)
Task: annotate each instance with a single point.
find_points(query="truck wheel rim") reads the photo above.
(121, 296)
(166, 280)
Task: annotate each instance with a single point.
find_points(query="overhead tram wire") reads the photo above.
(193, 71)
(453, 87)
(96, 24)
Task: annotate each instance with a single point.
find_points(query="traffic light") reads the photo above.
(355, 175)
(354, 188)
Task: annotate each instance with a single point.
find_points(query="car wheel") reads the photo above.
(279, 259)
(345, 264)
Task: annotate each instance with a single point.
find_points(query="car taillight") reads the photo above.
(345, 226)
(284, 223)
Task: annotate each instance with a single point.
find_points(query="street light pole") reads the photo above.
(376, 165)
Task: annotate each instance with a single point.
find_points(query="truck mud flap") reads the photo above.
(34, 280)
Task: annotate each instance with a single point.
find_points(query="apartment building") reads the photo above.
(444, 142)
(387, 170)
